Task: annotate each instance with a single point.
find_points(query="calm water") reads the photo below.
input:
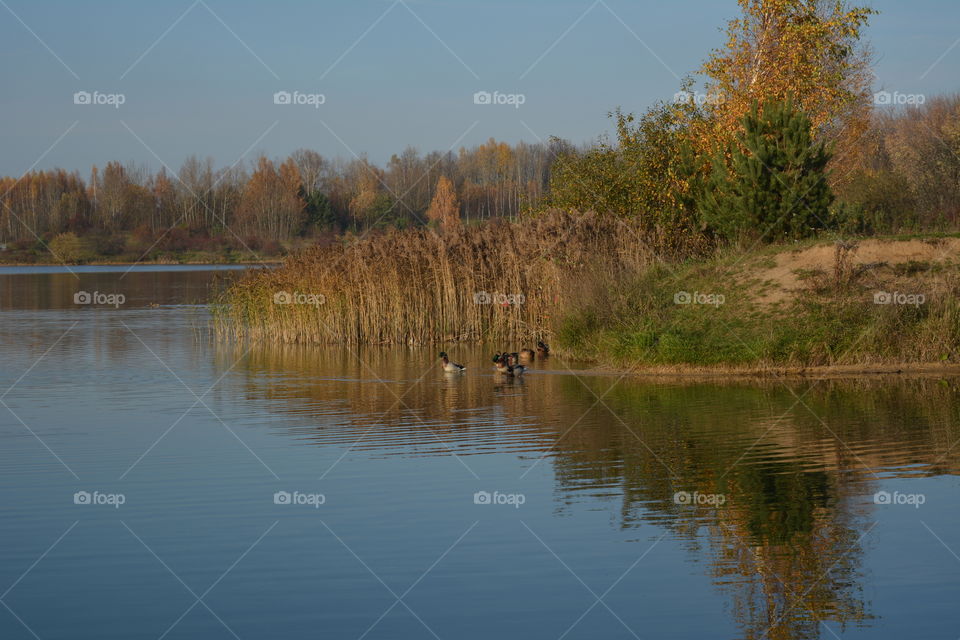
(619, 508)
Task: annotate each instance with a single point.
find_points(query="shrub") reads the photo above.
(643, 175)
(67, 247)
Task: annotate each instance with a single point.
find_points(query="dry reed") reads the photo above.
(496, 281)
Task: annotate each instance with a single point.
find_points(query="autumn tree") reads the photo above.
(445, 207)
(112, 190)
(369, 204)
(164, 203)
(271, 205)
(195, 182)
(225, 195)
(907, 170)
(924, 148)
(806, 48)
(313, 170)
(411, 178)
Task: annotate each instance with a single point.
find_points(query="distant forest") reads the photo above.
(269, 201)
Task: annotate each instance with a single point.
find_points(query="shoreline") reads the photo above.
(152, 263)
(906, 369)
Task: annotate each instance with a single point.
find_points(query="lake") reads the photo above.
(157, 483)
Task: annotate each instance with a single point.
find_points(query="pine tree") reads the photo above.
(772, 182)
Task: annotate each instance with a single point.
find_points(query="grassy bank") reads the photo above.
(821, 304)
(588, 285)
(184, 258)
(40, 256)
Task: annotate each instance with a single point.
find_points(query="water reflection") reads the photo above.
(788, 549)
(55, 288)
(795, 462)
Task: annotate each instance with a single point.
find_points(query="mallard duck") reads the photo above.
(542, 350)
(528, 354)
(450, 367)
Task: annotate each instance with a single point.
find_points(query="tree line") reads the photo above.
(273, 200)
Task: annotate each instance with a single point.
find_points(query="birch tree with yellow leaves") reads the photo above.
(807, 49)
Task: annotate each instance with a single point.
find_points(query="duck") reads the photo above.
(508, 364)
(528, 354)
(501, 364)
(543, 350)
(450, 367)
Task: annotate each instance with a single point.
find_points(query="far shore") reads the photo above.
(152, 263)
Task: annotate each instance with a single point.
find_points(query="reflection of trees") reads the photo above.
(787, 545)
(46, 291)
(787, 554)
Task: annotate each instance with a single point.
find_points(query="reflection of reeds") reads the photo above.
(417, 286)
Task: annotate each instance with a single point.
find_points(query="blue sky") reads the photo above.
(199, 77)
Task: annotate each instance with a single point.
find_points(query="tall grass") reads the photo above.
(497, 281)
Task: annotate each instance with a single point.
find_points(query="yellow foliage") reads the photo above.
(805, 48)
